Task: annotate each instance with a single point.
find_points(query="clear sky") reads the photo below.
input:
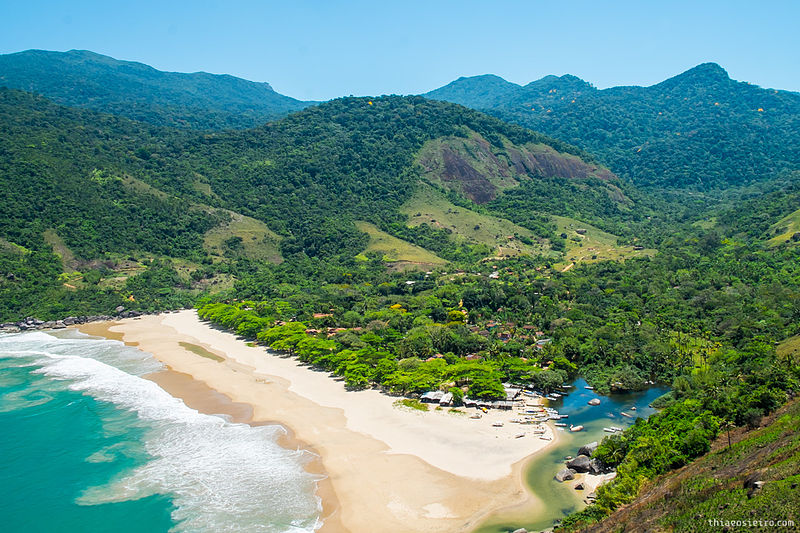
(323, 49)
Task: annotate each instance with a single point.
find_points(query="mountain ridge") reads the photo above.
(696, 130)
(200, 100)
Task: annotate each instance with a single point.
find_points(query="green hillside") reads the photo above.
(699, 130)
(397, 252)
(109, 195)
(722, 485)
(505, 239)
(786, 229)
(199, 100)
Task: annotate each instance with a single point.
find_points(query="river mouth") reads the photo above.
(553, 500)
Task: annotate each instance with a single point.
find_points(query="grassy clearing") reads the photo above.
(411, 403)
(394, 249)
(691, 349)
(429, 206)
(789, 349)
(593, 245)
(60, 249)
(783, 229)
(258, 242)
(142, 187)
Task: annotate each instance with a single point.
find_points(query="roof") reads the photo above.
(434, 395)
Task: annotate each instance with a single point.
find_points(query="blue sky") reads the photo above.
(321, 50)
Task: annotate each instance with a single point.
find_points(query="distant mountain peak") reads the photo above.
(702, 74)
(567, 82)
(201, 100)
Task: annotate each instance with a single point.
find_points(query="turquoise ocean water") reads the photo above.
(88, 445)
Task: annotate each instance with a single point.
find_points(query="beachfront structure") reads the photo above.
(434, 396)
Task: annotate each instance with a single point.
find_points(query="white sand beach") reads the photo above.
(388, 468)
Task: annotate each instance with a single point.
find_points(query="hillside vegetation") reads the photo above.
(699, 130)
(753, 482)
(200, 100)
(110, 195)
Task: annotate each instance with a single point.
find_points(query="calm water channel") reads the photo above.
(556, 500)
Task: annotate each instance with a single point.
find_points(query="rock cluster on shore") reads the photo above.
(32, 323)
(582, 464)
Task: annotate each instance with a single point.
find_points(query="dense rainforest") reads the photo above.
(699, 130)
(81, 78)
(409, 244)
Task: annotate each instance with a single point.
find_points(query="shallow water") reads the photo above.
(560, 499)
(90, 445)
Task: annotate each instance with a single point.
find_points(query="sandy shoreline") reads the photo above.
(388, 468)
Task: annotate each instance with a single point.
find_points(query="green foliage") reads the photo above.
(200, 100)
(699, 129)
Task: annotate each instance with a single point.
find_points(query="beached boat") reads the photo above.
(519, 435)
(545, 437)
(475, 416)
(497, 424)
(560, 425)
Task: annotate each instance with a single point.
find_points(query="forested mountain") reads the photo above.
(699, 130)
(96, 187)
(134, 90)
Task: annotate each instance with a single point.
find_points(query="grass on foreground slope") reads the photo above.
(243, 235)
(720, 486)
(429, 206)
(785, 228)
(789, 349)
(397, 250)
(593, 245)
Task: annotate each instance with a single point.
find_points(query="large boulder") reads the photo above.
(565, 475)
(588, 449)
(580, 464)
(596, 467)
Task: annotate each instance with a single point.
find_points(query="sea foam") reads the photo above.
(221, 476)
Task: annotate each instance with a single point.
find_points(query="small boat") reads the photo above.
(560, 425)
(615, 428)
(612, 430)
(594, 401)
(576, 428)
(497, 424)
(626, 415)
(587, 387)
(633, 408)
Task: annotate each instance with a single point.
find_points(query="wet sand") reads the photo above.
(387, 468)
